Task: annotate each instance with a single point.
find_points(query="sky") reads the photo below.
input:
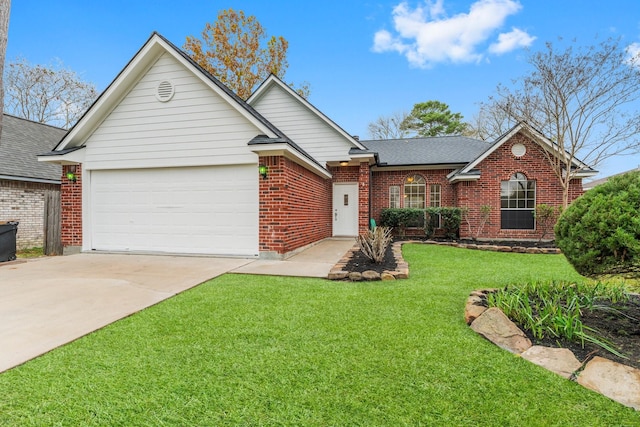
(362, 58)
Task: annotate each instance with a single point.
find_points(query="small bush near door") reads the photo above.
(447, 219)
(401, 218)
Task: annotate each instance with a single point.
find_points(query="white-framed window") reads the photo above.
(415, 192)
(435, 195)
(517, 203)
(394, 196)
(435, 201)
(415, 196)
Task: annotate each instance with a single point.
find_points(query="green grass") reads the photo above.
(257, 350)
(29, 253)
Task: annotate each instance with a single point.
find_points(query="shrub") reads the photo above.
(546, 217)
(373, 243)
(401, 218)
(448, 219)
(599, 233)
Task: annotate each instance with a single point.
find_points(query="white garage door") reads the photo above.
(204, 210)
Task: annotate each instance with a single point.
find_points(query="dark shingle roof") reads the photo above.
(438, 150)
(21, 141)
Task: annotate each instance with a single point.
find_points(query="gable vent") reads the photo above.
(165, 91)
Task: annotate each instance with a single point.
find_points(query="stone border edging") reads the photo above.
(338, 271)
(614, 380)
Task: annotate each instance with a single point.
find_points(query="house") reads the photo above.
(169, 160)
(594, 183)
(24, 181)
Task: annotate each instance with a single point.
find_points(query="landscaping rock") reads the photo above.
(402, 274)
(370, 275)
(614, 380)
(387, 276)
(472, 312)
(338, 275)
(562, 361)
(355, 276)
(497, 328)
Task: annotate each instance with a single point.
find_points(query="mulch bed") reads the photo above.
(360, 263)
(621, 328)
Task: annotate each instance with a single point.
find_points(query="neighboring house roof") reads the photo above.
(589, 185)
(440, 150)
(21, 142)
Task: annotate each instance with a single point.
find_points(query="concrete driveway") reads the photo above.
(48, 302)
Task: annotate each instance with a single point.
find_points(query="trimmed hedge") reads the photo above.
(450, 219)
(599, 233)
(401, 218)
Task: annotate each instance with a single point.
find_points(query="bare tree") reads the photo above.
(389, 127)
(48, 94)
(490, 122)
(580, 98)
(5, 8)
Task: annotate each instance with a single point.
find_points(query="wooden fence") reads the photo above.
(52, 223)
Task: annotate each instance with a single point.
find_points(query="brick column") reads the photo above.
(363, 197)
(71, 207)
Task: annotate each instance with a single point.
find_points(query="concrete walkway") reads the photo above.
(48, 302)
(315, 261)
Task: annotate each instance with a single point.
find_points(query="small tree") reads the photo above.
(433, 118)
(485, 213)
(49, 94)
(546, 217)
(599, 233)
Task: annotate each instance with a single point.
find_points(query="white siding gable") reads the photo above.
(310, 131)
(196, 127)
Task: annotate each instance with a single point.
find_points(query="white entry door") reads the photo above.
(345, 209)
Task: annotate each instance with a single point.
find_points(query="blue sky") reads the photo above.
(363, 59)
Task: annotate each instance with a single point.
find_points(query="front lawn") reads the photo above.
(258, 350)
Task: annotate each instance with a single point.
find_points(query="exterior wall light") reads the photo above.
(263, 170)
(344, 163)
(71, 174)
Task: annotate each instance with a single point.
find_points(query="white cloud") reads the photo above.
(511, 41)
(633, 54)
(426, 35)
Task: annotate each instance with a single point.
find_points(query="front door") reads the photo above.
(345, 209)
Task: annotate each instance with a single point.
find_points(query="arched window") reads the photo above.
(517, 203)
(415, 192)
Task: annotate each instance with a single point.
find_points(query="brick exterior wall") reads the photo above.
(71, 208)
(382, 180)
(294, 207)
(24, 202)
(498, 166)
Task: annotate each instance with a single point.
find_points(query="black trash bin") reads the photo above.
(8, 233)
